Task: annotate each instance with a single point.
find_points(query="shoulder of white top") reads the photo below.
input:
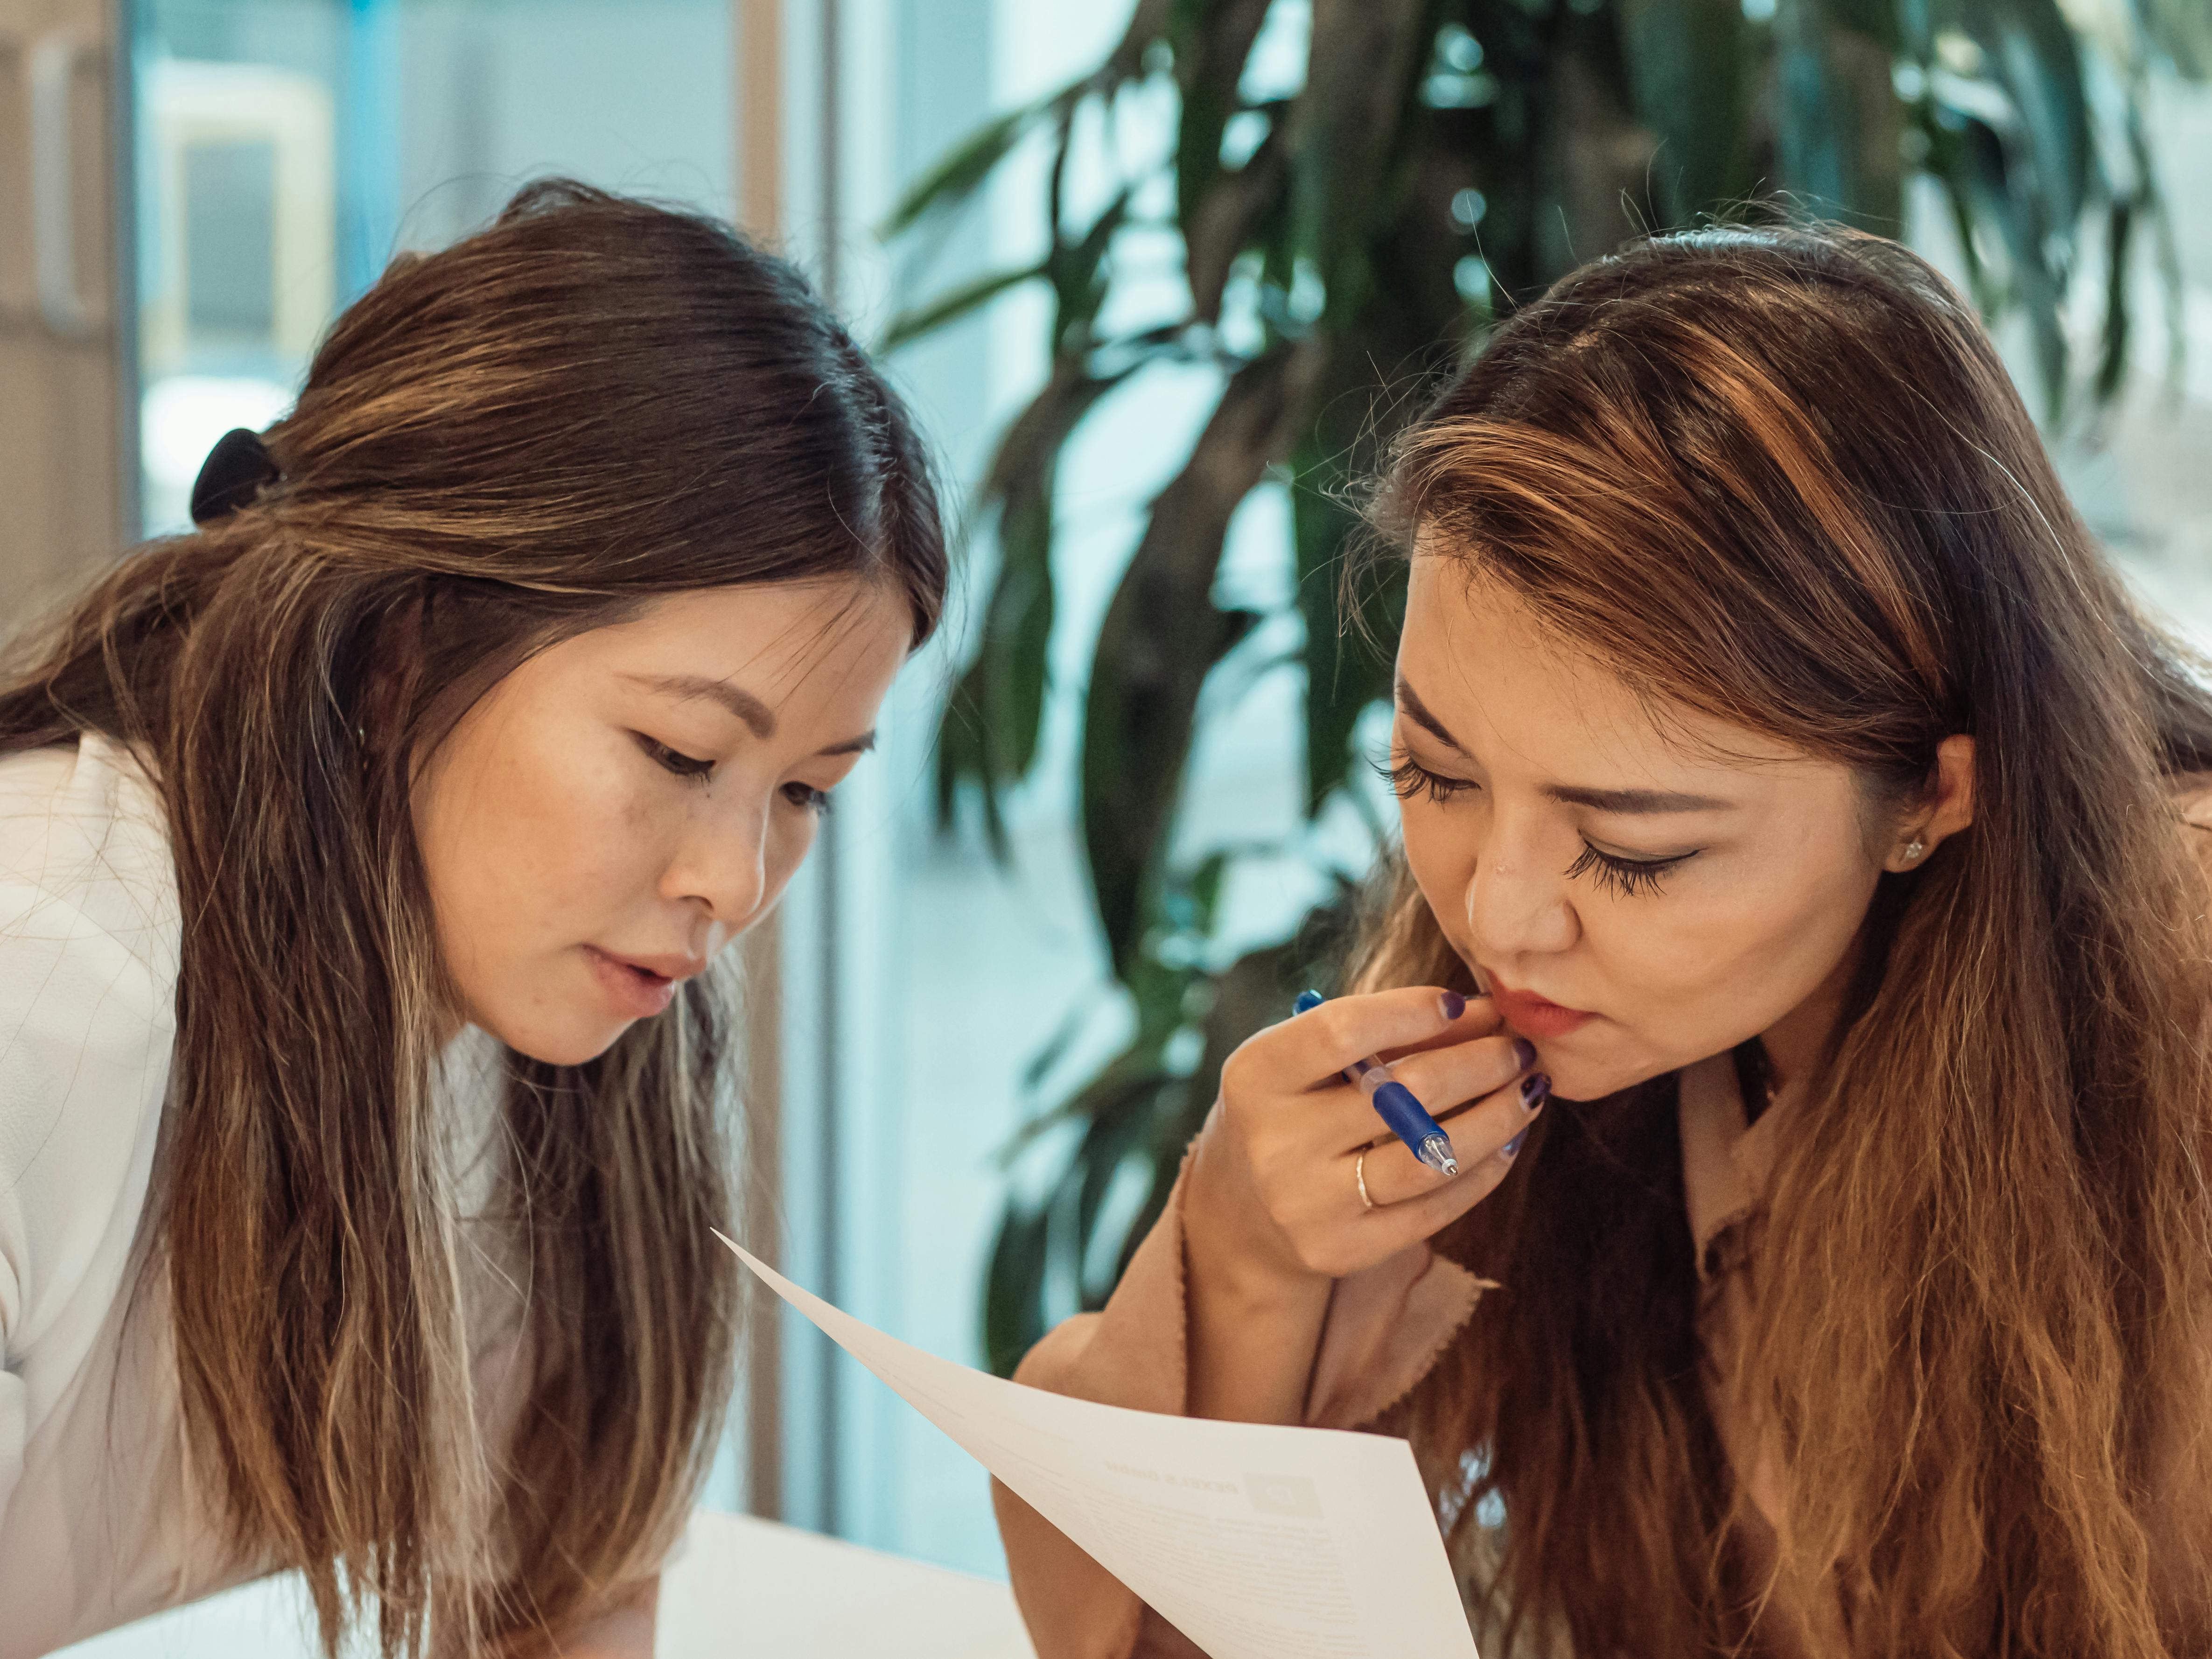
(85, 828)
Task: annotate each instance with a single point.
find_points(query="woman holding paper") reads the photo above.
(365, 858)
(1800, 929)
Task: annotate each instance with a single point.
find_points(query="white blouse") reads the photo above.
(99, 1523)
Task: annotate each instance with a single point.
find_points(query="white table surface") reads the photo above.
(740, 1588)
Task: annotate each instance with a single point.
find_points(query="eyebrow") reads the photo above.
(1418, 712)
(1634, 801)
(758, 717)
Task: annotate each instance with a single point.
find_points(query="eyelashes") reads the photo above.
(692, 769)
(673, 760)
(1410, 778)
(1623, 877)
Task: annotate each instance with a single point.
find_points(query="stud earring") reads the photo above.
(1914, 851)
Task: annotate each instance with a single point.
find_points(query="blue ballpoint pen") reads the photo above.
(1393, 1104)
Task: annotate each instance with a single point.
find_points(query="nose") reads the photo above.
(1517, 906)
(722, 867)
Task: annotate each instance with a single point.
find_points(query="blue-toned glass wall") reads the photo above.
(288, 148)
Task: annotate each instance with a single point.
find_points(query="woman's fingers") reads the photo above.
(1479, 1018)
(1414, 1219)
(1444, 1080)
(1275, 1176)
(1480, 1135)
(1315, 1046)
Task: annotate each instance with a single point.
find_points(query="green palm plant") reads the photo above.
(1441, 160)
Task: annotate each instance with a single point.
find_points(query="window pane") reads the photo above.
(287, 149)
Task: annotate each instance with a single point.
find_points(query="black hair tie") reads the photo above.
(237, 469)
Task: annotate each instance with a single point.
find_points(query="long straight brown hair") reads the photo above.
(1779, 478)
(538, 431)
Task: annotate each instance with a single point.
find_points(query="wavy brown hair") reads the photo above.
(538, 431)
(1780, 478)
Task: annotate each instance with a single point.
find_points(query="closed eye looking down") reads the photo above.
(691, 766)
(1611, 872)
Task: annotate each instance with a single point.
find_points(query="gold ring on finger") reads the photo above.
(1359, 1174)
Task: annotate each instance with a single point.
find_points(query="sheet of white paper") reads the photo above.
(1256, 1541)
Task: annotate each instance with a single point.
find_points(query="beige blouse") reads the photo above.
(1385, 1328)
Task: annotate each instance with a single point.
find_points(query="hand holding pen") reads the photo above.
(1301, 1174)
(1296, 1180)
(1393, 1102)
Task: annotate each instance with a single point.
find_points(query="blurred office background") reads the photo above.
(190, 189)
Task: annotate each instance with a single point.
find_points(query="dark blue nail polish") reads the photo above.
(1307, 1001)
(1535, 1090)
(1524, 1053)
(1513, 1145)
(1454, 1004)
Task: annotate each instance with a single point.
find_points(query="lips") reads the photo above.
(1535, 1016)
(639, 987)
(664, 967)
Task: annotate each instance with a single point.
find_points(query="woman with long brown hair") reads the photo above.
(1799, 925)
(366, 857)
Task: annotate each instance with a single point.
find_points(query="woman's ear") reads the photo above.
(1947, 808)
